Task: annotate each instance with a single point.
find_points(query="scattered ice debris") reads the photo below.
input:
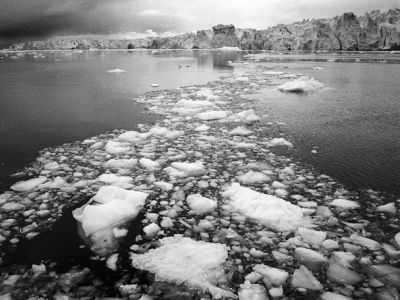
(149, 165)
(199, 204)
(268, 210)
(121, 163)
(114, 147)
(303, 84)
(206, 94)
(280, 142)
(116, 71)
(202, 128)
(344, 204)
(28, 185)
(183, 260)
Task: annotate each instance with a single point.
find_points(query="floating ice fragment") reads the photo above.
(151, 229)
(121, 163)
(389, 208)
(253, 177)
(310, 258)
(12, 206)
(185, 169)
(111, 206)
(163, 131)
(240, 130)
(301, 85)
(149, 165)
(303, 278)
(111, 261)
(207, 94)
(194, 104)
(276, 277)
(185, 261)
(28, 185)
(113, 179)
(280, 142)
(311, 236)
(199, 204)
(212, 115)
(154, 85)
(202, 128)
(116, 70)
(165, 186)
(333, 296)
(365, 242)
(397, 239)
(248, 116)
(340, 274)
(249, 291)
(344, 204)
(268, 210)
(242, 78)
(114, 147)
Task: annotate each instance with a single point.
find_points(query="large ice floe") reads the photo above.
(301, 85)
(271, 211)
(109, 208)
(184, 260)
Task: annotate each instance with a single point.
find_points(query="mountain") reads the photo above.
(347, 32)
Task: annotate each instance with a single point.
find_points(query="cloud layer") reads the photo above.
(31, 19)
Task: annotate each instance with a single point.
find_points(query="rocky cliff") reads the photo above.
(348, 32)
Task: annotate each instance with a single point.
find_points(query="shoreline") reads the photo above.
(226, 157)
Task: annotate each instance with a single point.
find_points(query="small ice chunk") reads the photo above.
(38, 269)
(344, 204)
(194, 104)
(311, 236)
(303, 84)
(365, 242)
(280, 142)
(249, 291)
(397, 239)
(111, 261)
(154, 85)
(165, 132)
(116, 70)
(202, 128)
(165, 186)
(303, 278)
(183, 260)
(12, 206)
(242, 78)
(151, 229)
(28, 185)
(114, 179)
(149, 165)
(120, 232)
(121, 163)
(240, 130)
(206, 94)
(251, 177)
(310, 258)
(185, 169)
(276, 277)
(212, 115)
(333, 296)
(132, 136)
(111, 206)
(268, 210)
(389, 208)
(343, 258)
(340, 274)
(51, 166)
(199, 204)
(248, 116)
(114, 147)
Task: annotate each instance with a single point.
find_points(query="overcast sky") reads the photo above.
(38, 19)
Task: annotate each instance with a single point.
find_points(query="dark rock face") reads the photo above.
(347, 32)
(224, 36)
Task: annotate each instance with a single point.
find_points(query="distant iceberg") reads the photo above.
(303, 84)
(117, 71)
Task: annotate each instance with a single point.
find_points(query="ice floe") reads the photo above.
(184, 260)
(301, 85)
(116, 71)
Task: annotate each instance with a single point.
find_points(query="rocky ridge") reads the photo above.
(373, 31)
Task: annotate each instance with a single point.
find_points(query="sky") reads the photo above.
(22, 20)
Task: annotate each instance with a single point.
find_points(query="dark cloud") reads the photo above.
(37, 19)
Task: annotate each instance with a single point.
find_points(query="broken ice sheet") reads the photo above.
(197, 264)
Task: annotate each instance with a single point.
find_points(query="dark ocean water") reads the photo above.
(353, 124)
(51, 98)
